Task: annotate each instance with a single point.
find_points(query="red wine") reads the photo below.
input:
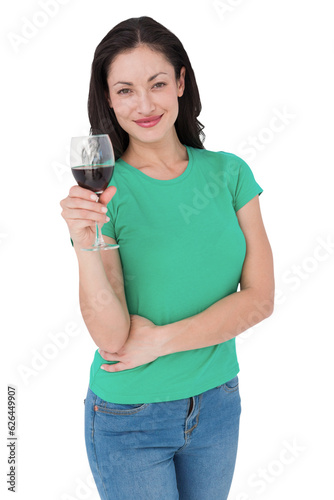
(96, 178)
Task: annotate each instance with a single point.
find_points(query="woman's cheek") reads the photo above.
(122, 112)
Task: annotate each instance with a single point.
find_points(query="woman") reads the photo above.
(163, 405)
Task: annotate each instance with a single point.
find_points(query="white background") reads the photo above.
(252, 59)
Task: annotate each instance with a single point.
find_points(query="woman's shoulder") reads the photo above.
(220, 157)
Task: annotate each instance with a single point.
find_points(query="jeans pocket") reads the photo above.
(106, 407)
(232, 385)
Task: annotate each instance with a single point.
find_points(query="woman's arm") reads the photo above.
(101, 286)
(220, 322)
(239, 311)
(102, 299)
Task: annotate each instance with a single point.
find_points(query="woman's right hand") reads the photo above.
(81, 211)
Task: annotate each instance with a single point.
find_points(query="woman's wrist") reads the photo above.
(90, 263)
(161, 336)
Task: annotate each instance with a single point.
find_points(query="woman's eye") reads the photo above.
(160, 84)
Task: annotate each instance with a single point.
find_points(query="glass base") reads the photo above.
(100, 246)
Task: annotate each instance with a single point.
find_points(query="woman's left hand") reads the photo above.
(141, 347)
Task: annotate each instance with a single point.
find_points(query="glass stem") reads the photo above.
(98, 239)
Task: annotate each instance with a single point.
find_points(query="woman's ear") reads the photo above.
(181, 82)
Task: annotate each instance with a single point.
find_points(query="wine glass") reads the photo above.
(92, 164)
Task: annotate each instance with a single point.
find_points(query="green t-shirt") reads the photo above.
(182, 250)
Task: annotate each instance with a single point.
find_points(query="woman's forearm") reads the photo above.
(222, 321)
(104, 315)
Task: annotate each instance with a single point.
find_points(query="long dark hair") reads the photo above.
(126, 35)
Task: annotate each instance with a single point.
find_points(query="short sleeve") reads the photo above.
(108, 229)
(246, 186)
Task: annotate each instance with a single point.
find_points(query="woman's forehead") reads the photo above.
(141, 61)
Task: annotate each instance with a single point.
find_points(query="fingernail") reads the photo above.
(104, 210)
(107, 219)
(94, 197)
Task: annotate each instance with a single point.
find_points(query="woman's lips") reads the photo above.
(150, 121)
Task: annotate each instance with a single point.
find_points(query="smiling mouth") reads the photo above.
(150, 121)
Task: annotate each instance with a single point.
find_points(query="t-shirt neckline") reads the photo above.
(161, 181)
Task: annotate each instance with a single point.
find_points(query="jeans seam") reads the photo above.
(230, 389)
(109, 411)
(95, 453)
(197, 417)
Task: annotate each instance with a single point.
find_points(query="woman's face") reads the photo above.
(142, 86)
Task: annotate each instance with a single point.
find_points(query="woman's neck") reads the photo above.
(159, 155)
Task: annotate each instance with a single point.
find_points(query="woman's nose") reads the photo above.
(145, 104)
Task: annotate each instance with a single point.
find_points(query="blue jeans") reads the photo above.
(174, 450)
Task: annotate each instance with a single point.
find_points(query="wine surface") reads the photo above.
(96, 178)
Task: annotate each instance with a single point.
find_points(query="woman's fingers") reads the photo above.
(80, 198)
(108, 356)
(108, 194)
(79, 192)
(87, 194)
(81, 214)
(80, 223)
(81, 210)
(80, 203)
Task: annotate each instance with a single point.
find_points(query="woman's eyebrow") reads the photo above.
(149, 80)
